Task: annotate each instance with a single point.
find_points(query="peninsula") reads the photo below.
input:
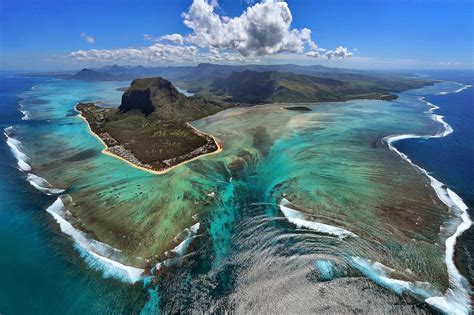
(151, 129)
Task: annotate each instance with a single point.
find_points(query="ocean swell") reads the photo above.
(456, 300)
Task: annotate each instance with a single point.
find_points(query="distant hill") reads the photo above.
(267, 83)
(283, 87)
(208, 72)
(92, 75)
(272, 86)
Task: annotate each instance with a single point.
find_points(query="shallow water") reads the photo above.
(247, 255)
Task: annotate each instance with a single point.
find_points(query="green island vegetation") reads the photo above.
(149, 128)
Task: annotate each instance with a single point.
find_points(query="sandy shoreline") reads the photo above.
(105, 150)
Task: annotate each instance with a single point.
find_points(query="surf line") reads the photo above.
(467, 86)
(300, 219)
(457, 296)
(96, 254)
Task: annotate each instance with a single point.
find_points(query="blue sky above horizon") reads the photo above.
(60, 35)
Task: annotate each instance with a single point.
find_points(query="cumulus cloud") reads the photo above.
(153, 53)
(88, 38)
(156, 53)
(174, 38)
(340, 52)
(313, 53)
(263, 29)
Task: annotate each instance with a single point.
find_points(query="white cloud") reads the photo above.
(263, 29)
(88, 38)
(340, 52)
(153, 53)
(174, 38)
(156, 53)
(313, 53)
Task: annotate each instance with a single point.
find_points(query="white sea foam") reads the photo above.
(463, 88)
(467, 86)
(42, 185)
(26, 114)
(300, 219)
(96, 254)
(190, 234)
(183, 246)
(456, 300)
(15, 146)
(380, 274)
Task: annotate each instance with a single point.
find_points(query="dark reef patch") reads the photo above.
(83, 155)
(299, 108)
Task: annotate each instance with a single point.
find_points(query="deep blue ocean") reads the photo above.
(40, 275)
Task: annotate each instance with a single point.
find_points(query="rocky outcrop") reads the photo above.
(146, 95)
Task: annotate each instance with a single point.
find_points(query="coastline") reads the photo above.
(161, 172)
(457, 295)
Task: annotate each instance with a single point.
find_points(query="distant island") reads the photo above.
(150, 128)
(256, 87)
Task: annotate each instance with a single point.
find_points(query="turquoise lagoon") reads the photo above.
(296, 203)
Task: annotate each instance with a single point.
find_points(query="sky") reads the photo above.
(365, 34)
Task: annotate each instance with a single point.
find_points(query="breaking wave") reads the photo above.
(42, 185)
(97, 255)
(300, 219)
(188, 235)
(26, 114)
(467, 86)
(15, 147)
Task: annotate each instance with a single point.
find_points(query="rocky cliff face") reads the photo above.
(147, 95)
(158, 99)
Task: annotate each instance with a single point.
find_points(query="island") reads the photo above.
(150, 129)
